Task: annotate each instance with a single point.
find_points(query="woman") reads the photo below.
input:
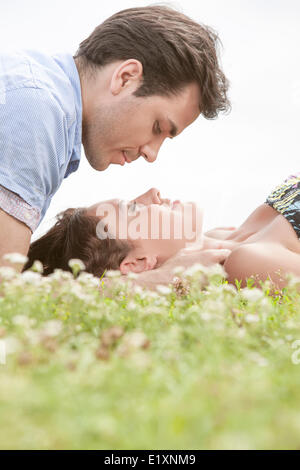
(266, 245)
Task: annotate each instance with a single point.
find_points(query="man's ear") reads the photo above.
(128, 74)
(138, 264)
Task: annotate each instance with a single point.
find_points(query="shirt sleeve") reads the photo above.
(33, 144)
(15, 206)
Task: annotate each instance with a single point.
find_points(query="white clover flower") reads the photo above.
(32, 336)
(215, 270)
(142, 295)
(94, 282)
(293, 281)
(137, 339)
(241, 332)
(15, 258)
(111, 273)
(12, 345)
(84, 276)
(46, 284)
(178, 270)
(138, 290)
(31, 277)
(141, 360)
(253, 295)
(251, 318)
(229, 288)
(60, 275)
(265, 303)
(205, 316)
(88, 279)
(215, 306)
(152, 310)
(164, 290)
(76, 264)
(193, 309)
(22, 320)
(197, 267)
(7, 272)
(161, 301)
(260, 360)
(132, 275)
(76, 289)
(37, 267)
(289, 337)
(131, 305)
(52, 328)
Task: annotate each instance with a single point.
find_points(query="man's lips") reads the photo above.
(127, 160)
(125, 157)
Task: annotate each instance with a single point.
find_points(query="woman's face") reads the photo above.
(157, 228)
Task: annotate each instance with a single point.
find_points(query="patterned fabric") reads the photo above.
(40, 124)
(19, 209)
(285, 198)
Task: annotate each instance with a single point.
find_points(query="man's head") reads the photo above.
(146, 74)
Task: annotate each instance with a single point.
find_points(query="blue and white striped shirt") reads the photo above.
(40, 124)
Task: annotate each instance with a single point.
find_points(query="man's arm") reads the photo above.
(14, 237)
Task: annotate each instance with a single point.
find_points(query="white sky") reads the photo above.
(228, 165)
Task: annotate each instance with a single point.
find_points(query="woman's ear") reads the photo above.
(138, 264)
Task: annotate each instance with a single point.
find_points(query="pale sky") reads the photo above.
(228, 165)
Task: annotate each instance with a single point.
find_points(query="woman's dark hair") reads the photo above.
(74, 235)
(173, 49)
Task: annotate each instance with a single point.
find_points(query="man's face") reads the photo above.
(120, 128)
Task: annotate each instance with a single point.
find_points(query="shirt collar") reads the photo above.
(67, 63)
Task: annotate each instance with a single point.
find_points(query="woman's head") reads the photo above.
(74, 236)
(135, 235)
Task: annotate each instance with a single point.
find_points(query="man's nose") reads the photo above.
(150, 151)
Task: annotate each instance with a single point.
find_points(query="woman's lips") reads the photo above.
(175, 203)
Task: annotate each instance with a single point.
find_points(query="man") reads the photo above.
(143, 75)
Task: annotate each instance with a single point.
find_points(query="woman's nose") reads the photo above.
(150, 197)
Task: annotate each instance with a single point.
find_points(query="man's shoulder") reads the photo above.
(23, 69)
(15, 71)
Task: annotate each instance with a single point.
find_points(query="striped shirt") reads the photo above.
(40, 130)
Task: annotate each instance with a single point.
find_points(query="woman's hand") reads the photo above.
(208, 243)
(185, 258)
(220, 233)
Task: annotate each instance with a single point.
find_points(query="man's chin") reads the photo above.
(97, 164)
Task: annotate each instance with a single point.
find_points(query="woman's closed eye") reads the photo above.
(132, 208)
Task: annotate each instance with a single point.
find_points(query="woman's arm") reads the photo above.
(262, 260)
(262, 216)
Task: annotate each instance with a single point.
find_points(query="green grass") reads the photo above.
(211, 369)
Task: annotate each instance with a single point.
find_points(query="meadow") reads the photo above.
(200, 364)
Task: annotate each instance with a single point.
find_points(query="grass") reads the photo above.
(203, 365)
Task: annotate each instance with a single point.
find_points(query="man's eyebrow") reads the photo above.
(174, 128)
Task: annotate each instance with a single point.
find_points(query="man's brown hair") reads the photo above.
(74, 235)
(173, 49)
